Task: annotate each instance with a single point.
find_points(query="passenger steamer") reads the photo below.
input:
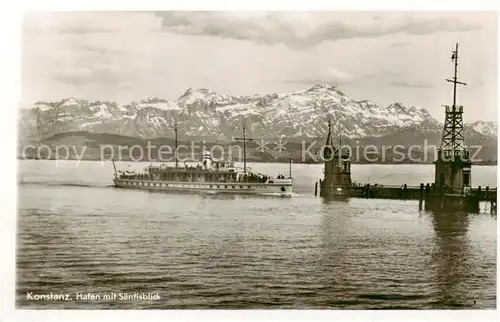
(209, 175)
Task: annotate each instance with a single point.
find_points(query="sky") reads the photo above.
(384, 57)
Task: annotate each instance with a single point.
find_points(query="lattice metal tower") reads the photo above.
(453, 137)
(453, 165)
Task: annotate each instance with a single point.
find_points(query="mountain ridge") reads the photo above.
(204, 113)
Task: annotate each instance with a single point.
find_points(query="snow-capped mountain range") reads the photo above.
(485, 127)
(204, 113)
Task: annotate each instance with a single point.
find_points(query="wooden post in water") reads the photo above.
(421, 196)
(487, 196)
(316, 188)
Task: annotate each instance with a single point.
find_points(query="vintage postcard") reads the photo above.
(268, 159)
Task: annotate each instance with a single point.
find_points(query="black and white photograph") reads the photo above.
(257, 160)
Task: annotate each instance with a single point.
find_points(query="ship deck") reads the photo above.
(278, 186)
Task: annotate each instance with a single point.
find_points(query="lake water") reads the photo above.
(78, 235)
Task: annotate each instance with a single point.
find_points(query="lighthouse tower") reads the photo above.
(337, 170)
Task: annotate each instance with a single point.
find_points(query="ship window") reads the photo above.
(248, 186)
(241, 187)
(271, 181)
(233, 187)
(210, 186)
(225, 186)
(218, 186)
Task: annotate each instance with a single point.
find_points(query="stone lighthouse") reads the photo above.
(337, 169)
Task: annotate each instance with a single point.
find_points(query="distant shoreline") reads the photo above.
(88, 146)
(486, 163)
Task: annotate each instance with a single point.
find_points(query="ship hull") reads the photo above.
(281, 187)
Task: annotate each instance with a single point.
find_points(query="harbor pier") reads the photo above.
(452, 187)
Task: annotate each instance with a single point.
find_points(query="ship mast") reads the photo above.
(176, 157)
(244, 139)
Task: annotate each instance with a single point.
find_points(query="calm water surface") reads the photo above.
(76, 234)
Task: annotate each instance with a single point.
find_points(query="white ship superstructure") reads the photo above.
(208, 175)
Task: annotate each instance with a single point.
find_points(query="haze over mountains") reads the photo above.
(211, 115)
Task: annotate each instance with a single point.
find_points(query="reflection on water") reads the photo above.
(228, 251)
(334, 254)
(450, 256)
(334, 200)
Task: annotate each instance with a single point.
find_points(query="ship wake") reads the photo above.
(64, 184)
